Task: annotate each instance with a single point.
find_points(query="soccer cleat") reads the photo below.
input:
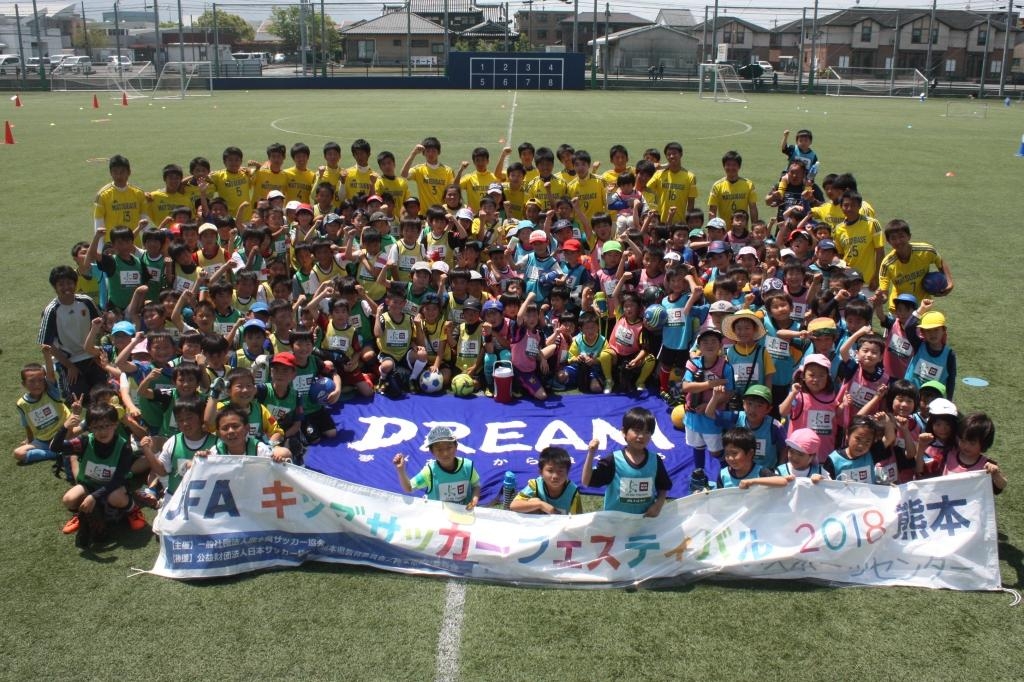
(136, 521)
(72, 525)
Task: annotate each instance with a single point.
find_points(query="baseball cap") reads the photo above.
(378, 215)
(440, 434)
(759, 391)
(332, 218)
(941, 406)
(411, 200)
(696, 233)
(375, 197)
(932, 319)
(709, 330)
(772, 284)
(805, 441)
(797, 233)
(787, 253)
(275, 194)
(475, 276)
(207, 227)
(672, 256)
(464, 214)
(259, 307)
(286, 358)
(906, 298)
(254, 324)
(538, 237)
(937, 386)
(472, 303)
(748, 251)
(853, 275)
(822, 326)
(304, 207)
(718, 247)
(817, 359)
(420, 265)
(561, 224)
(123, 327)
(572, 245)
(440, 266)
(495, 187)
(524, 224)
(716, 224)
(292, 205)
(722, 307)
(494, 304)
(610, 246)
(827, 244)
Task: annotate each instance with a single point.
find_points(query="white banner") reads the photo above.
(236, 514)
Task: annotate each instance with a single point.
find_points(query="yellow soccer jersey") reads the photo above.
(265, 181)
(233, 188)
(611, 176)
(592, 195)
(358, 181)
(674, 188)
(828, 213)
(398, 187)
(475, 186)
(115, 207)
(161, 204)
(530, 175)
(905, 278)
(300, 184)
(516, 199)
(728, 197)
(857, 243)
(566, 176)
(431, 183)
(547, 196)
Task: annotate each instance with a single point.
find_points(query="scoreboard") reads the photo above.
(516, 71)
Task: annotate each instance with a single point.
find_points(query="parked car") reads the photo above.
(76, 64)
(122, 61)
(767, 66)
(10, 64)
(280, 58)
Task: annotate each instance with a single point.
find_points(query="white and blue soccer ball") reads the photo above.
(431, 381)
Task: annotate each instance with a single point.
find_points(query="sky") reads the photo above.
(763, 13)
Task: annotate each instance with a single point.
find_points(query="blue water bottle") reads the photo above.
(508, 489)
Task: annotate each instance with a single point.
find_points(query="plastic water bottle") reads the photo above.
(508, 489)
(698, 481)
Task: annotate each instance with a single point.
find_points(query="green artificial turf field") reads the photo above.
(955, 179)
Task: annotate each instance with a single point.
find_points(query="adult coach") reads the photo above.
(64, 327)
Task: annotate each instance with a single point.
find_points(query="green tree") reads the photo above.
(231, 27)
(285, 24)
(91, 39)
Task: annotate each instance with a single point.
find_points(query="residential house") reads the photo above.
(615, 21)
(389, 39)
(542, 26)
(634, 50)
(747, 42)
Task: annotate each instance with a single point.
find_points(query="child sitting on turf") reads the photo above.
(41, 411)
(589, 364)
(174, 458)
(636, 479)
(739, 447)
(447, 477)
(974, 439)
(552, 492)
(233, 438)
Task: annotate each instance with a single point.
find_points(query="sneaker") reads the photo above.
(607, 390)
(72, 525)
(488, 393)
(136, 521)
(642, 393)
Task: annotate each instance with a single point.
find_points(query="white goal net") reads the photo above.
(720, 82)
(134, 81)
(184, 79)
(846, 81)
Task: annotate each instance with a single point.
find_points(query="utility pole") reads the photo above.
(593, 52)
(156, 36)
(607, 45)
(1007, 57)
(814, 47)
(575, 25)
(800, 62)
(704, 36)
(895, 52)
(323, 40)
(117, 40)
(21, 42)
(984, 55)
(928, 57)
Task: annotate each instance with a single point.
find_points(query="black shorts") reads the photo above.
(673, 357)
(320, 420)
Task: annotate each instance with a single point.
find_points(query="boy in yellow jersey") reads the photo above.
(388, 182)
(118, 203)
(675, 186)
(586, 187)
(331, 171)
(645, 172)
(403, 356)
(41, 410)
(859, 240)
(620, 164)
(405, 252)
(845, 182)
(431, 177)
(162, 202)
(565, 156)
(830, 212)
(232, 183)
(732, 193)
(904, 268)
(475, 184)
(545, 187)
(359, 179)
(300, 178)
(515, 192)
(270, 177)
(527, 157)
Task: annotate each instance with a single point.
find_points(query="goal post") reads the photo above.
(848, 81)
(134, 82)
(184, 79)
(719, 82)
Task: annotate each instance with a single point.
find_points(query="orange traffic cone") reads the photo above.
(8, 134)
(124, 99)
(95, 102)
(17, 101)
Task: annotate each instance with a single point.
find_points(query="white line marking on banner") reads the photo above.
(449, 638)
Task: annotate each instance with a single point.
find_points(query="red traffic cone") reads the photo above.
(95, 102)
(17, 101)
(8, 133)
(124, 99)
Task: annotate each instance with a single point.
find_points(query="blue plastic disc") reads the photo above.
(975, 381)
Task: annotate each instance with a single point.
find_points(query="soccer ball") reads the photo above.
(678, 415)
(431, 381)
(935, 282)
(463, 386)
(655, 317)
(320, 389)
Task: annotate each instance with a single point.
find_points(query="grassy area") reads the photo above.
(70, 616)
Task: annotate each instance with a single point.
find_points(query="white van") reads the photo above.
(10, 64)
(262, 58)
(76, 64)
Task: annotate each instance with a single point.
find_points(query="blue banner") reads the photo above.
(495, 436)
